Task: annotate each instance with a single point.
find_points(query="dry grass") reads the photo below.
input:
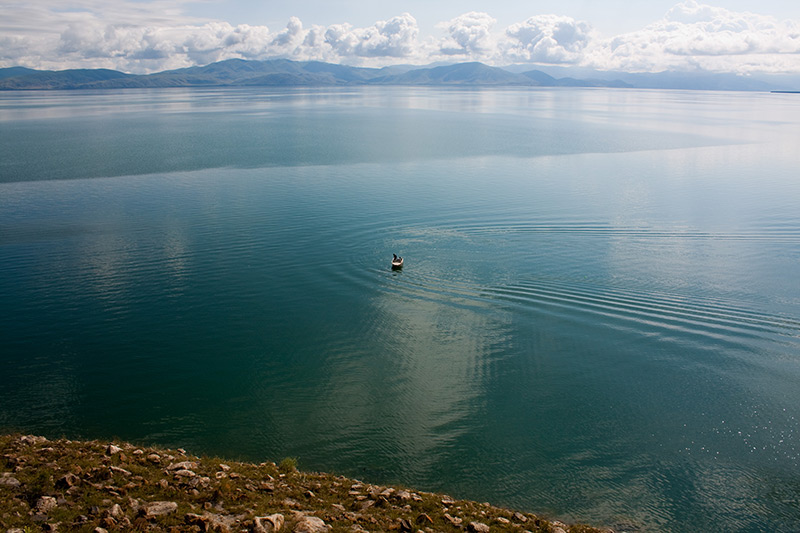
(80, 486)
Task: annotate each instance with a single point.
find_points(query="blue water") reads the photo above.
(598, 319)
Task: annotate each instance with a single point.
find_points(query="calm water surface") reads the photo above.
(598, 320)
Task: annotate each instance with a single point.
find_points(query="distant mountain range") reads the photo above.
(286, 73)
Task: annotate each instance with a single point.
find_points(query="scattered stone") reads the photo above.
(347, 505)
(112, 449)
(268, 524)
(292, 504)
(453, 519)
(67, 481)
(31, 440)
(7, 480)
(365, 504)
(116, 511)
(159, 508)
(46, 503)
(211, 522)
(199, 481)
(478, 527)
(310, 524)
(118, 470)
(183, 465)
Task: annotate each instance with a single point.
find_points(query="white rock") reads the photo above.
(118, 470)
(159, 508)
(311, 524)
(8, 480)
(268, 524)
(183, 465)
(116, 511)
(477, 527)
(46, 503)
(111, 450)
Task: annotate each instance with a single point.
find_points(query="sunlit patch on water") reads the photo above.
(597, 318)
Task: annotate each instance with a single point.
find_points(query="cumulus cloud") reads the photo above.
(705, 37)
(469, 35)
(547, 39)
(395, 37)
(141, 36)
(151, 48)
(155, 48)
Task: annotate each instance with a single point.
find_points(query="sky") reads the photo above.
(142, 36)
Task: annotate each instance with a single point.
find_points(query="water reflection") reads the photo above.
(597, 319)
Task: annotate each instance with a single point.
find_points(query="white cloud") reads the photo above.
(141, 36)
(547, 39)
(393, 38)
(469, 35)
(693, 35)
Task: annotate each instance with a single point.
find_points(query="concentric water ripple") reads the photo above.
(597, 320)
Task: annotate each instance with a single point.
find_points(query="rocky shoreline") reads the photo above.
(93, 486)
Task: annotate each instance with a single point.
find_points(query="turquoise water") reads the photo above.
(598, 318)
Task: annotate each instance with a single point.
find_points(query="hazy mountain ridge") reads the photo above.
(14, 78)
(287, 73)
(281, 72)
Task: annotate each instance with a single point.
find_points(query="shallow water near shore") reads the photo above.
(598, 318)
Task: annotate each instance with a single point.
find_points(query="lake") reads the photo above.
(598, 318)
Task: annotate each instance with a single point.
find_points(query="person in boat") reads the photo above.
(394, 257)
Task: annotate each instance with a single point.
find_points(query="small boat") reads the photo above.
(397, 263)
